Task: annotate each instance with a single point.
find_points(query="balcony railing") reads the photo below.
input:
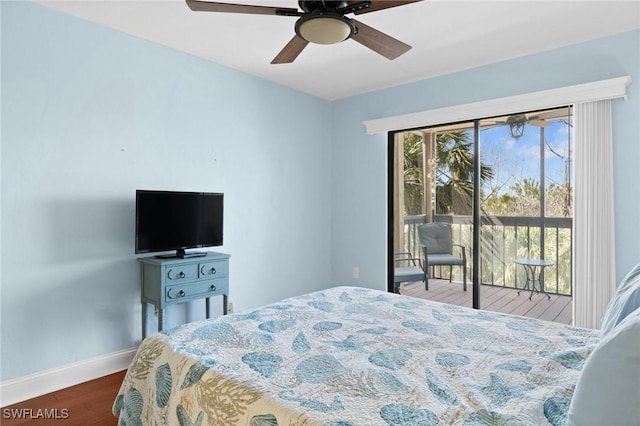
(504, 239)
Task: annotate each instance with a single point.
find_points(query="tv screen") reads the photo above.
(171, 220)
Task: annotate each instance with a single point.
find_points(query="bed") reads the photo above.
(350, 356)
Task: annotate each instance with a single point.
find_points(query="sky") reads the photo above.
(513, 160)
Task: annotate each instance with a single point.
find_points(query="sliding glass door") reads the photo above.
(432, 174)
(503, 187)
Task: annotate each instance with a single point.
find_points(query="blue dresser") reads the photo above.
(166, 282)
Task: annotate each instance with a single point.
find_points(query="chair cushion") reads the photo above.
(608, 389)
(408, 274)
(443, 259)
(625, 300)
(436, 237)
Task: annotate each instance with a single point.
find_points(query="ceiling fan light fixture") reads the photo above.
(324, 29)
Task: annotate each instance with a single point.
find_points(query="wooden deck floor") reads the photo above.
(497, 299)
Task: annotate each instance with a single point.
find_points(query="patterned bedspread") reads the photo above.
(354, 356)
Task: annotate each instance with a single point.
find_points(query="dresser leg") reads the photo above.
(206, 302)
(225, 302)
(144, 319)
(160, 319)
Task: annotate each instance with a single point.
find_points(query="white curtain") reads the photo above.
(594, 242)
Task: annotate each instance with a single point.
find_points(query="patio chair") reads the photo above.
(413, 271)
(437, 250)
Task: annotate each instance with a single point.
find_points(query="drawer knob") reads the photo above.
(211, 271)
(212, 288)
(177, 276)
(181, 293)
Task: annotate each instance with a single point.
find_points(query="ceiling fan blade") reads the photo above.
(383, 4)
(378, 41)
(207, 6)
(291, 51)
(539, 123)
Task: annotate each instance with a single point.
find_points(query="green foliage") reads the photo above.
(454, 173)
(413, 174)
(524, 200)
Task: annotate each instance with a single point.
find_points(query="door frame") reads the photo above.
(391, 160)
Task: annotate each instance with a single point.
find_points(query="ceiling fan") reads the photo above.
(322, 22)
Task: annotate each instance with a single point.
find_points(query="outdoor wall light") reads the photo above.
(516, 125)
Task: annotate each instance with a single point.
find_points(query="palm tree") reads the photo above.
(454, 173)
(413, 174)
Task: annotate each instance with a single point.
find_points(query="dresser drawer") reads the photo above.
(216, 268)
(195, 290)
(181, 273)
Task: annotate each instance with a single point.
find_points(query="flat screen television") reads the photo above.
(172, 220)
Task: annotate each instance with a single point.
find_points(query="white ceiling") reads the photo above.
(446, 36)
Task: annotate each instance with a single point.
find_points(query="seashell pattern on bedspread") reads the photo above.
(351, 356)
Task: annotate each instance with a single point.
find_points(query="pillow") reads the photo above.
(625, 300)
(608, 389)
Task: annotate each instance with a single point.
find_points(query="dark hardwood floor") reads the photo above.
(84, 404)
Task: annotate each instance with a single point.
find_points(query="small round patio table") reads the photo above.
(533, 274)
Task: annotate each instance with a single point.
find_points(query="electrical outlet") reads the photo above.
(230, 308)
(356, 272)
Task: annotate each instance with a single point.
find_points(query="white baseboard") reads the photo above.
(38, 384)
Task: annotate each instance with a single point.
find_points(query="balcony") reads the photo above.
(504, 239)
(495, 298)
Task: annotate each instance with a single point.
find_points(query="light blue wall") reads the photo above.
(89, 115)
(359, 165)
